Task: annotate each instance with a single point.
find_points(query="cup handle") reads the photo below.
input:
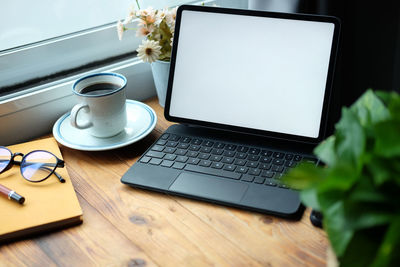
(74, 114)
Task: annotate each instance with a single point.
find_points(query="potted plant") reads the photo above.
(358, 191)
(157, 26)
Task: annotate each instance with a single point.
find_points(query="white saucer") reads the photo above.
(141, 121)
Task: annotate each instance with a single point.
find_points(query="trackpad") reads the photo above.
(209, 187)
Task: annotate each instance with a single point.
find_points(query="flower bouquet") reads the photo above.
(158, 28)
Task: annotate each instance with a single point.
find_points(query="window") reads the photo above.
(45, 45)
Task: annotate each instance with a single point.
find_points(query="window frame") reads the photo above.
(32, 112)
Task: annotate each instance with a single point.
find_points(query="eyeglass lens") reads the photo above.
(5, 157)
(37, 165)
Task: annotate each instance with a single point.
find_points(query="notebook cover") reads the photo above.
(48, 205)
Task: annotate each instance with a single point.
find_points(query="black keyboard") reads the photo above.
(248, 164)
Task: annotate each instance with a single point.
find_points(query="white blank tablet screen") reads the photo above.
(253, 72)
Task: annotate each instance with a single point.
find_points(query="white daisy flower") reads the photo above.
(120, 29)
(145, 30)
(148, 15)
(171, 16)
(160, 15)
(149, 51)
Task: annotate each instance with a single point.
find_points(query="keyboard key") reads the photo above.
(215, 158)
(253, 157)
(157, 148)
(230, 147)
(208, 143)
(219, 145)
(167, 163)
(145, 159)
(164, 136)
(242, 149)
(247, 178)
(297, 158)
(228, 160)
(193, 161)
(194, 147)
(230, 167)
(192, 154)
(241, 169)
(265, 159)
(217, 151)
(252, 164)
(171, 144)
(178, 165)
(277, 168)
(216, 172)
(183, 145)
(278, 161)
(170, 157)
(196, 142)
(240, 162)
(259, 180)
(155, 154)
(279, 155)
(266, 153)
(265, 166)
(185, 140)
(271, 183)
(289, 156)
(180, 152)
(169, 150)
(182, 159)
(205, 163)
(161, 142)
(254, 172)
(254, 151)
(217, 165)
(155, 161)
(228, 153)
(290, 164)
(174, 137)
(204, 156)
(206, 149)
(267, 174)
(241, 155)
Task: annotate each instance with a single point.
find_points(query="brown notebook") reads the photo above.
(48, 205)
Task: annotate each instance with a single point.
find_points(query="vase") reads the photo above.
(160, 70)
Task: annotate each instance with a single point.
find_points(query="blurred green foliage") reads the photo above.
(358, 191)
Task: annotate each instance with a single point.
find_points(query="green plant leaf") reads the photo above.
(350, 139)
(304, 176)
(382, 170)
(334, 224)
(370, 109)
(326, 151)
(387, 138)
(310, 199)
(339, 179)
(389, 250)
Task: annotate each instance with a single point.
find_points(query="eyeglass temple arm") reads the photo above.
(60, 164)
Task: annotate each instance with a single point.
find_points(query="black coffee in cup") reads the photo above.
(99, 89)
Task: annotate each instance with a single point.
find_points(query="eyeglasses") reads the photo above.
(36, 166)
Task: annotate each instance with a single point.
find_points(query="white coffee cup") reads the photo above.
(102, 104)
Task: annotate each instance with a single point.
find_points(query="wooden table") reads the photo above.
(124, 226)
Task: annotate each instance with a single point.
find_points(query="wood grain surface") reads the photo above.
(124, 226)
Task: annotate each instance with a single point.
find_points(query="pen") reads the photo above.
(10, 194)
